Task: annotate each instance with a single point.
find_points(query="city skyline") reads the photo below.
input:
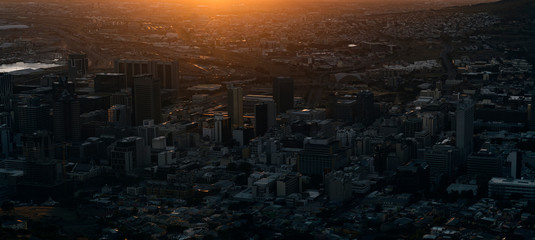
(264, 119)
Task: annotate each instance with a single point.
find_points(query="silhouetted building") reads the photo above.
(60, 86)
(365, 107)
(283, 93)
(235, 106)
(261, 119)
(321, 156)
(90, 103)
(109, 82)
(67, 119)
(338, 186)
(222, 128)
(6, 141)
(48, 80)
(33, 116)
(531, 112)
(37, 145)
(147, 102)
(442, 160)
(345, 109)
(513, 165)
(6, 91)
(411, 126)
(166, 72)
(129, 154)
(464, 128)
(487, 162)
(148, 131)
(124, 98)
(118, 115)
(78, 65)
(413, 177)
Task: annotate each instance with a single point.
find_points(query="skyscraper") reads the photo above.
(442, 160)
(109, 82)
(531, 112)
(147, 102)
(118, 115)
(6, 90)
(283, 93)
(167, 72)
(148, 131)
(320, 156)
(365, 111)
(60, 85)
(33, 116)
(464, 128)
(222, 131)
(37, 146)
(488, 162)
(67, 118)
(128, 155)
(235, 106)
(261, 119)
(6, 141)
(78, 65)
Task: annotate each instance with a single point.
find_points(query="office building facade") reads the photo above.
(464, 129)
(66, 119)
(78, 65)
(6, 91)
(109, 82)
(167, 72)
(283, 93)
(147, 100)
(321, 156)
(235, 106)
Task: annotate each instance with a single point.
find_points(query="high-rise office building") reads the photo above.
(235, 106)
(6, 91)
(6, 141)
(147, 102)
(321, 156)
(365, 109)
(514, 165)
(62, 86)
(411, 125)
(338, 186)
(109, 82)
(413, 177)
(442, 160)
(464, 127)
(222, 128)
(345, 109)
(167, 72)
(148, 131)
(129, 154)
(265, 117)
(48, 80)
(33, 116)
(487, 162)
(78, 65)
(118, 115)
(66, 119)
(283, 93)
(37, 146)
(531, 112)
(261, 119)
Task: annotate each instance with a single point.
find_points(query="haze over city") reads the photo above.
(267, 119)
